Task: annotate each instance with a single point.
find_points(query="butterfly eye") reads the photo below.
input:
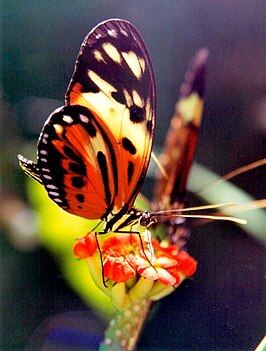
(146, 219)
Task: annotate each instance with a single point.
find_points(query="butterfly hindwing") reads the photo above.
(77, 162)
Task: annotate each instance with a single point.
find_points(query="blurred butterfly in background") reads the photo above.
(93, 153)
(179, 149)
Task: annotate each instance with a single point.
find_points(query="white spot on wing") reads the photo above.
(98, 56)
(43, 152)
(137, 99)
(123, 32)
(101, 83)
(112, 33)
(142, 64)
(84, 118)
(58, 128)
(112, 52)
(53, 193)
(128, 98)
(46, 176)
(67, 119)
(133, 63)
(57, 200)
(43, 159)
(51, 186)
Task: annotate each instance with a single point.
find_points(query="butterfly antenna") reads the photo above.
(195, 208)
(181, 213)
(214, 218)
(233, 174)
(249, 206)
(159, 165)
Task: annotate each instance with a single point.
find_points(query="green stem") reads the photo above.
(125, 328)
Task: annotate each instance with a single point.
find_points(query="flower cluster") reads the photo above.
(126, 261)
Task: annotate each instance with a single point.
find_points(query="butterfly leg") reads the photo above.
(101, 256)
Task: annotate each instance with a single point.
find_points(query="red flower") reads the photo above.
(117, 269)
(123, 258)
(86, 246)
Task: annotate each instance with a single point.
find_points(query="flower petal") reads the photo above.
(186, 264)
(118, 269)
(148, 272)
(166, 278)
(86, 246)
(165, 262)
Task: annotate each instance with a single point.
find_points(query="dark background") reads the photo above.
(223, 307)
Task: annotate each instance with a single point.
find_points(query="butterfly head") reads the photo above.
(146, 219)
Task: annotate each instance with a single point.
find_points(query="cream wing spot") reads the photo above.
(112, 33)
(84, 118)
(137, 99)
(67, 119)
(43, 152)
(128, 98)
(53, 193)
(51, 186)
(135, 132)
(46, 176)
(123, 32)
(112, 52)
(101, 104)
(97, 54)
(57, 200)
(133, 63)
(142, 64)
(101, 83)
(58, 128)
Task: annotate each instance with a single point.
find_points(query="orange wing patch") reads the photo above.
(76, 163)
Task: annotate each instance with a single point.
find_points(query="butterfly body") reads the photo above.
(93, 153)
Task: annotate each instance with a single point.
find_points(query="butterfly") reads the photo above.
(93, 153)
(179, 149)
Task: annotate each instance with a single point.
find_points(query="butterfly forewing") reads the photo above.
(113, 78)
(94, 152)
